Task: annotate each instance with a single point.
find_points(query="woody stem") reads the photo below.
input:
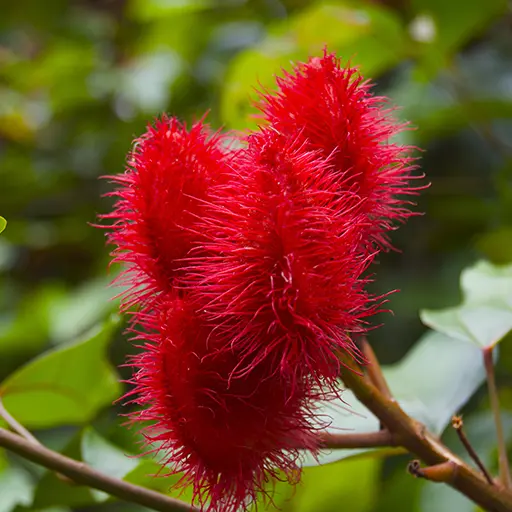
(495, 406)
(415, 438)
(84, 474)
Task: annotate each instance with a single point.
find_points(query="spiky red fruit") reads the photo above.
(331, 109)
(280, 270)
(169, 175)
(249, 268)
(229, 435)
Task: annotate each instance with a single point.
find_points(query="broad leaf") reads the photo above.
(435, 379)
(105, 457)
(485, 315)
(81, 309)
(68, 385)
(16, 488)
(145, 472)
(326, 487)
(3, 223)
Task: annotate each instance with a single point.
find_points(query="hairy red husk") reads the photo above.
(170, 173)
(280, 270)
(230, 436)
(248, 273)
(330, 108)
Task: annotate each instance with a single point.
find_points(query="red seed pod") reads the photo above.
(280, 272)
(170, 172)
(228, 434)
(331, 109)
(249, 270)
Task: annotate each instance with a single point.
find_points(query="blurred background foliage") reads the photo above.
(80, 79)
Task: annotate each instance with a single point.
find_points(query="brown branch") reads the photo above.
(374, 370)
(379, 439)
(83, 474)
(458, 424)
(418, 440)
(495, 406)
(17, 427)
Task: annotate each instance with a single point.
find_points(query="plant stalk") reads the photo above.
(84, 474)
(495, 406)
(418, 440)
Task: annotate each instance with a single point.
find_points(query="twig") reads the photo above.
(458, 424)
(377, 439)
(81, 473)
(418, 440)
(443, 472)
(14, 425)
(17, 427)
(495, 406)
(374, 370)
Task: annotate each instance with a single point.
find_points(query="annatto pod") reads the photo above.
(279, 270)
(163, 191)
(330, 108)
(230, 435)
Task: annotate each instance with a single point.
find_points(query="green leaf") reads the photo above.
(81, 309)
(485, 315)
(111, 460)
(16, 488)
(435, 379)
(152, 475)
(370, 36)
(68, 385)
(3, 224)
(26, 332)
(105, 457)
(324, 488)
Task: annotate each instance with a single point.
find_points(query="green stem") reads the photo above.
(495, 406)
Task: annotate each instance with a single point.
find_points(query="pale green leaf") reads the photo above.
(485, 315)
(81, 309)
(16, 488)
(106, 458)
(325, 488)
(3, 224)
(435, 379)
